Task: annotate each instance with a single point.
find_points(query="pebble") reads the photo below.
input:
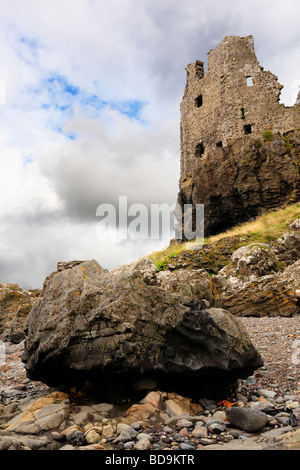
(294, 405)
(142, 435)
(92, 437)
(251, 380)
(266, 393)
(128, 445)
(142, 444)
(200, 431)
(216, 428)
(184, 446)
(136, 425)
(184, 423)
(219, 415)
(167, 429)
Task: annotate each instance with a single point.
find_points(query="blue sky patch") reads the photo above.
(131, 108)
(59, 83)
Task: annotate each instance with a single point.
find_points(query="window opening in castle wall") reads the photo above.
(249, 81)
(199, 150)
(248, 129)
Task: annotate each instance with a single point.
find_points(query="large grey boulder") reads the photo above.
(114, 326)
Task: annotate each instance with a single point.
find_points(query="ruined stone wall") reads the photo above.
(219, 106)
(240, 147)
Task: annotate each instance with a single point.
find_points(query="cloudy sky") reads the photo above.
(90, 93)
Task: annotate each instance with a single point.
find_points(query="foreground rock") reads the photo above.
(113, 328)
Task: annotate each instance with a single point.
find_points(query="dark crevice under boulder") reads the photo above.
(112, 328)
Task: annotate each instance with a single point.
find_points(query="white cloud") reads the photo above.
(92, 112)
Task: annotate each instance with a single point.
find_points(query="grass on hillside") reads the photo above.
(263, 229)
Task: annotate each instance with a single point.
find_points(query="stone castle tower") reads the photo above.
(234, 132)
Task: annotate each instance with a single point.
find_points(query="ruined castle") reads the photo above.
(239, 144)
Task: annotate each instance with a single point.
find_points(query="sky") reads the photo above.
(90, 94)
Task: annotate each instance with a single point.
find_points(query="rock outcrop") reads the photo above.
(258, 279)
(15, 304)
(262, 279)
(240, 147)
(115, 328)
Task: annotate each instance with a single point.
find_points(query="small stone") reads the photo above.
(227, 438)
(136, 425)
(92, 437)
(251, 380)
(294, 405)
(296, 412)
(171, 267)
(266, 393)
(127, 434)
(68, 447)
(57, 436)
(167, 429)
(184, 432)
(235, 433)
(199, 431)
(178, 437)
(272, 421)
(184, 423)
(142, 444)
(284, 420)
(261, 374)
(121, 427)
(220, 415)
(206, 441)
(107, 431)
(158, 446)
(142, 435)
(242, 399)
(128, 445)
(184, 446)
(216, 428)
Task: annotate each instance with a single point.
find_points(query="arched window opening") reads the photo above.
(199, 150)
(248, 129)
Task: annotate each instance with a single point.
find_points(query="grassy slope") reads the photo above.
(263, 229)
